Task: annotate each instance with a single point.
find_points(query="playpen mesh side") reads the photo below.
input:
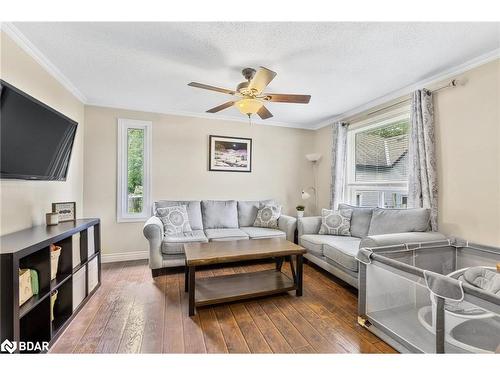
(397, 300)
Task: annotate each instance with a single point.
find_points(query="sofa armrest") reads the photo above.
(400, 238)
(153, 231)
(309, 225)
(288, 224)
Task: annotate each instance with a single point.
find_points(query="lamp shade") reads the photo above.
(305, 195)
(248, 106)
(313, 157)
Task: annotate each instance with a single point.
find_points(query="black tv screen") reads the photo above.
(35, 140)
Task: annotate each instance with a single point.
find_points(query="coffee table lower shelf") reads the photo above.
(228, 288)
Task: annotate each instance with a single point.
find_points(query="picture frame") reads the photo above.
(65, 210)
(229, 154)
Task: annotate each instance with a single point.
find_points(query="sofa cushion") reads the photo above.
(175, 220)
(314, 243)
(175, 244)
(267, 216)
(193, 209)
(219, 214)
(337, 223)
(360, 219)
(385, 221)
(340, 267)
(228, 234)
(342, 250)
(257, 233)
(247, 211)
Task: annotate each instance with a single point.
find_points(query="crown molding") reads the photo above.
(38, 56)
(441, 76)
(15, 34)
(23, 42)
(202, 115)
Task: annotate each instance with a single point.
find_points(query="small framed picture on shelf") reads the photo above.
(65, 210)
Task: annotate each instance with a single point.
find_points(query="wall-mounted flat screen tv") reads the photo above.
(35, 140)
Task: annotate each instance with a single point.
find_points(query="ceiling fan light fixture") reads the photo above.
(248, 106)
(249, 96)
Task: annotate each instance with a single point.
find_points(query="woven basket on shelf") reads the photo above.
(55, 252)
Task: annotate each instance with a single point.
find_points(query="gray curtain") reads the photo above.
(422, 180)
(339, 160)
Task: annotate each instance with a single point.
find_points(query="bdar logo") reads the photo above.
(8, 346)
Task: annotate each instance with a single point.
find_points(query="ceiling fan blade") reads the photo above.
(261, 79)
(212, 88)
(264, 113)
(288, 98)
(220, 107)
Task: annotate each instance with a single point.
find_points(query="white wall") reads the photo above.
(323, 145)
(467, 130)
(180, 159)
(24, 203)
(468, 151)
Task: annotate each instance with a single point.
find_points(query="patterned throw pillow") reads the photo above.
(175, 219)
(267, 216)
(337, 223)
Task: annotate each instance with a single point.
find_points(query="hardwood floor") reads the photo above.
(134, 313)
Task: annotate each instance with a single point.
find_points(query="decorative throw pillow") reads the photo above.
(267, 216)
(175, 219)
(337, 223)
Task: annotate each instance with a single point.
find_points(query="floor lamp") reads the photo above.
(313, 158)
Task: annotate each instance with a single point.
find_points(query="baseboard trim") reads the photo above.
(122, 257)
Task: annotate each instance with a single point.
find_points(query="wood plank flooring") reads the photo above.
(134, 313)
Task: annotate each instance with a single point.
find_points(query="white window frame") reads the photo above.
(122, 214)
(352, 186)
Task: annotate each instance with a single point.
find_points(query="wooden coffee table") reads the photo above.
(227, 288)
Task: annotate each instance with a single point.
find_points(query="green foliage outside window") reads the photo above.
(392, 130)
(135, 168)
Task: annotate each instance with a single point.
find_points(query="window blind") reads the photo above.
(381, 154)
(367, 198)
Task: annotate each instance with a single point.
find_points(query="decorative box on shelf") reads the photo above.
(25, 289)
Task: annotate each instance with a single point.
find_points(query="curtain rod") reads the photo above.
(452, 83)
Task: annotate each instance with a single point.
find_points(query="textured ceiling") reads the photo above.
(146, 66)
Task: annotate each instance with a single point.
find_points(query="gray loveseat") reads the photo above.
(370, 227)
(210, 221)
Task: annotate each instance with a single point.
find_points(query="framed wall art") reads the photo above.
(230, 154)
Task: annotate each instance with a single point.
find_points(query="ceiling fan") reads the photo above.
(250, 98)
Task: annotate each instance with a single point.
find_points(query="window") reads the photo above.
(377, 163)
(134, 170)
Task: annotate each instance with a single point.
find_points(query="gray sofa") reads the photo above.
(370, 227)
(210, 221)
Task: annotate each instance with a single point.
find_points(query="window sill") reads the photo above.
(131, 219)
(378, 184)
